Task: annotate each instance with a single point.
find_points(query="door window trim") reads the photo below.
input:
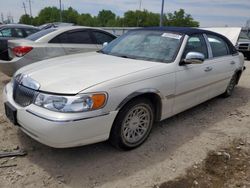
(100, 31)
(202, 36)
(210, 48)
(73, 31)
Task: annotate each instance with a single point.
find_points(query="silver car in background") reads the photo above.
(52, 43)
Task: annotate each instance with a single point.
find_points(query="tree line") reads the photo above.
(107, 18)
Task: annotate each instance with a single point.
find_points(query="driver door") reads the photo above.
(192, 80)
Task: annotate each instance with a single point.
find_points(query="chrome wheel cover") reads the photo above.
(136, 124)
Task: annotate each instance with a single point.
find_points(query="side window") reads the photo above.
(6, 32)
(18, 33)
(62, 38)
(218, 45)
(196, 43)
(102, 37)
(79, 37)
(30, 31)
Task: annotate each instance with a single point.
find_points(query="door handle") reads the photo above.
(207, 69)
(232, 62)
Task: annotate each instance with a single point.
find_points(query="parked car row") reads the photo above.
(53, 42)
(116, 93)
(58, 39)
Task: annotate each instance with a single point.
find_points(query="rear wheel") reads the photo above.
(231, 86)
(133, 124)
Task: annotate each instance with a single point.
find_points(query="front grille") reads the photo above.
(243, 46)
(23, 95)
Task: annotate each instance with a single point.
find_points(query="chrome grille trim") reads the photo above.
(22, 95)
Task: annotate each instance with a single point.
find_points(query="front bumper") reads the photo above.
(57, 131)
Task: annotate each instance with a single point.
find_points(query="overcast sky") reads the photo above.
(207, 12)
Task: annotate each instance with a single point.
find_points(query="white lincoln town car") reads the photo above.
(118, 93)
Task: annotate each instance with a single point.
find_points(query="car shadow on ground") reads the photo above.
(101, 163)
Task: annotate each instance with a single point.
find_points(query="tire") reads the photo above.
(133, 124)
(230, 87)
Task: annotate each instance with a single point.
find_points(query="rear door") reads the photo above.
(78, 41)
(223, 64)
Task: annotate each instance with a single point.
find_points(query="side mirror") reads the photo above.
(193, 58)
(105, 44)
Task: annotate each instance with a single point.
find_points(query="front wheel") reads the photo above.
(230, 87)
(133, 124)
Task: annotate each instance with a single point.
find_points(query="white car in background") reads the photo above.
(53, 42)
(118, 93)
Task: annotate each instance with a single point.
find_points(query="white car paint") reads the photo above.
(179, 88)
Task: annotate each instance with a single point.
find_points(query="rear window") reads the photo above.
(102, 37)
(218, 45)
(40, 34)
(30, 31)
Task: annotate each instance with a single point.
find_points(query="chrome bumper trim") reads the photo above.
(66, 120)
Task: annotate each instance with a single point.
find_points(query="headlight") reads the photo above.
(78, 103)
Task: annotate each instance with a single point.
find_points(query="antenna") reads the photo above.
(140, 4)
(24, 7)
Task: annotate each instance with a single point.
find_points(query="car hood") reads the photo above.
(232, 33)
(74, 73)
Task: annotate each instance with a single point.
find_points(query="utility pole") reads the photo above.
(60, 2)
(24, 7)
(138, 18)
(140, 4)
(2, 17)
(162, 10)
(30, 8)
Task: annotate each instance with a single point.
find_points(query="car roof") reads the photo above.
(68, 28)
(181, 30)
(189, 31)
(59, 30)
(17, 25)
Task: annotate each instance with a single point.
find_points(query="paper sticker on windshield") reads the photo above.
(171, 35)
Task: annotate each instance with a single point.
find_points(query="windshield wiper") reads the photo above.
(125, 56)
(101, 51)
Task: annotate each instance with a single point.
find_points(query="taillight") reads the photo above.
(20, 51)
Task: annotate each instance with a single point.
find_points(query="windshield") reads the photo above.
(159, 46)
(39, 34)
(243, 36)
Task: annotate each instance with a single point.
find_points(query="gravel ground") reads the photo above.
(175, 145)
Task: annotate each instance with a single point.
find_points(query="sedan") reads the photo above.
(52, 43)
(118, 93)
(13, 31)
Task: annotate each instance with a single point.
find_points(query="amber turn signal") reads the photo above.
(98, 100)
